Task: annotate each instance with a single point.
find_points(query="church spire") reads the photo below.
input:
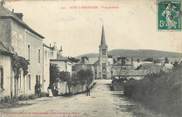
(103, 41)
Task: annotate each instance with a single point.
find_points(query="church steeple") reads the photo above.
(103, 40)
(103, 56)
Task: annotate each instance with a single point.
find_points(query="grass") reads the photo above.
(8, 102)
(161, 92)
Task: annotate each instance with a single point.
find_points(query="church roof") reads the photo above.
(103, 40)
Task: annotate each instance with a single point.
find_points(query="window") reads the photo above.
(39, 56)
(104, 52)
(1, 78)
(28, 52)
(29, 82)
(37, 78)
(19, 79)
(46, 55)
(104, 67)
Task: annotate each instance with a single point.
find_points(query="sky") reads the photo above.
(76, 24)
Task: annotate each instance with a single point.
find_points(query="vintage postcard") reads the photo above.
(90, 58)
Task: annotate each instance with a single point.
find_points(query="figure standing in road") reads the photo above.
(49, 90)
(37, 89)
(88, 90)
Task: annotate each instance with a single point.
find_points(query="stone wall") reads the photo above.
(5, 64)
(63, 88)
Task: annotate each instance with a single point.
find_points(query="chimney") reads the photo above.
(19, 15)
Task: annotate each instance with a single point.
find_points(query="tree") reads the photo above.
(85, 76)
(19, 63)
(89, 76)
(65, 76)
(81, 76)
(54, 73)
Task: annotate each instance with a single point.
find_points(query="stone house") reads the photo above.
(49, 52)
(21, 39)
(5, 71)
(63, 64)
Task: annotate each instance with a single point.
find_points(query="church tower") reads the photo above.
(103, 56)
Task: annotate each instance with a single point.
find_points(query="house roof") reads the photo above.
(61, 59)
(97, 62)
(6, 13)
(48, 46)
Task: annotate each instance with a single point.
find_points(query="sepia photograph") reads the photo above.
(90, 58)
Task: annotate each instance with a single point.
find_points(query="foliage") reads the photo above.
(64, 76)
(8, 99)
(32, 96)
(117, 84)
(23, 97)
(82, 77)
(43, 94)
(85, 76)
(54, 73)
(19, 63)
(162, 89)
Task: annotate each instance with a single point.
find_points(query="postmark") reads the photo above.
(169, 14)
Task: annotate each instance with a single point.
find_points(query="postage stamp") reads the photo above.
(169, 14)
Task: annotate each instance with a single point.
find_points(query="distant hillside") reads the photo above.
(138, 53)
(90, 55)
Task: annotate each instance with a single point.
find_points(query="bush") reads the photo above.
(23, 97)
(32, 96)
(43, 94)
(85, 76)
(6, 99)
(161, 92)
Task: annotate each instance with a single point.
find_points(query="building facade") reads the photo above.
(20, 39)
(5, 71)
(49, 52)
(63, 64)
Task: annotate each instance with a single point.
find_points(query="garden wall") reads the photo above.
(63, 88)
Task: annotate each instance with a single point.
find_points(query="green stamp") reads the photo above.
(169, 14)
